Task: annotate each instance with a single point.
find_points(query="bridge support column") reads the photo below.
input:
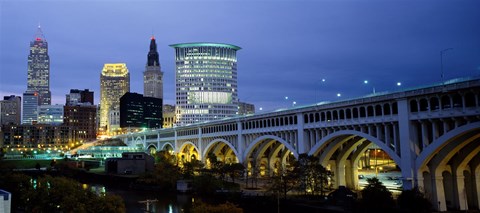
(300, 135)
(240, 144)
(425, 141)
(407, 152)
(477, 187)
(340, 173)
(349, 174)
(439, 194)
(420, 182)
(333, 167)
(200, 145)
(158, 142)
(461, 193)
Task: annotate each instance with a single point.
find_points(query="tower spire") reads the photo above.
(152, 58)
(39, 34)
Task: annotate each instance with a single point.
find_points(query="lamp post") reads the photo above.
(318, 90)
(441, 61)
(366, 82)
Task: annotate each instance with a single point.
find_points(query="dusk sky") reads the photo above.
(288, 47)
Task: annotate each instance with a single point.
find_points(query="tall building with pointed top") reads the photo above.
(39, 69)
(153, 75)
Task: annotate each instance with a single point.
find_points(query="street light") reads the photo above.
(293, 104)
(441, 60)
(399, 83)
(318, 90)
(366, 82)
(339, 95)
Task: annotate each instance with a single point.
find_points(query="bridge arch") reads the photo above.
(166, 146)
(188, 151)
(152, 149)
(315, 149)
(341, 152)
(265, 152)
(445, 168)
(258, 140)
(215, 142)
(442, 141)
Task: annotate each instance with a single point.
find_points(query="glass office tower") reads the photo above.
(39, 69)
(206, 81)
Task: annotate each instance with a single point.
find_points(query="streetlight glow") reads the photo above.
(365, 82)
(286, 97)
(399, 83)
(338, 94)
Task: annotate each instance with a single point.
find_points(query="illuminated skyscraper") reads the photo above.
(114, 83)
(153, 76)
(39, 69)
(206, 81)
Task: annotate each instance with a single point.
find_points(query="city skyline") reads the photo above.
(282, 56)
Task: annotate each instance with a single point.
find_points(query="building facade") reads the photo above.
(169, 118)
(10, 110)
(206, 81)
(81, 118)
(50, 114)
(81, 115)
(39, 69)
(30, 107)
(246, 108)
(114, 83)
(131, 111)
(152, 114)
(137, 111)
(36, 136)
(79, 96)
(153, 75)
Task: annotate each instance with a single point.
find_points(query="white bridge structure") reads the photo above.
(432, 133)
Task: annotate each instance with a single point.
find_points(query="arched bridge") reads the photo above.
(432, 133)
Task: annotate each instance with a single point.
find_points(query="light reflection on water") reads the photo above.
(171, 203)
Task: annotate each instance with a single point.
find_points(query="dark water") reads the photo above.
(166, 202)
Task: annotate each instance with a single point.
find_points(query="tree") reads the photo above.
(216, 167)
(56, 194)
(283, 182)
(191, 168)
(414, 201)
(314, 178)
(376, 197)
(165, 174)
(234, 170)
(164, 156)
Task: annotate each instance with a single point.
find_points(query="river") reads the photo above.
(168, 203)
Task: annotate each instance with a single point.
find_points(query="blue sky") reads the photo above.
(287, 46)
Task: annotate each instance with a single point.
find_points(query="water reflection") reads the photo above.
(136, 200)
